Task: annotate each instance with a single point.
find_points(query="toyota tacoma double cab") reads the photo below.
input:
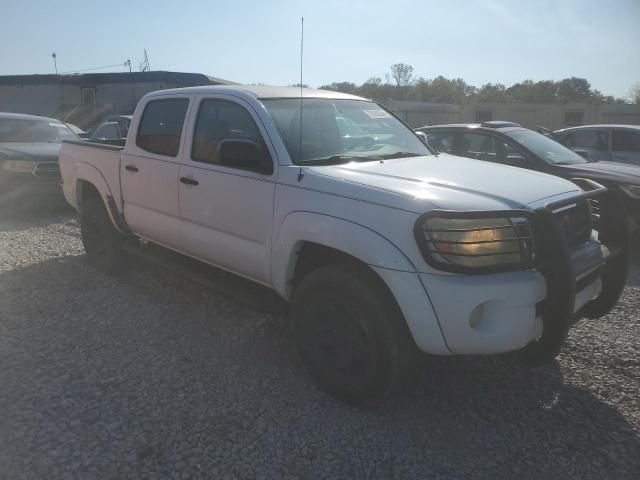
(335, 204)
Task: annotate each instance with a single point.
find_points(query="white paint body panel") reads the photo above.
(254, 224)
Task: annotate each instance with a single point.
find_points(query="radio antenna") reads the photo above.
(300, 174)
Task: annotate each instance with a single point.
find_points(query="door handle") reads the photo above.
(189, 181)
(131, 168)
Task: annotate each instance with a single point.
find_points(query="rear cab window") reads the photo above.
(161, 126)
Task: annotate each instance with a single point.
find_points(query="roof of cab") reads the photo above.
(258, 91)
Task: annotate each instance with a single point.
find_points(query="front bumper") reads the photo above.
(493, 313)
(42, 180)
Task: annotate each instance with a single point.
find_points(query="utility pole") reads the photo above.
(128, 63)
(55, 63)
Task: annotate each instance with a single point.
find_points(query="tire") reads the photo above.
(539, 353)
(102, 242)
(350, 333)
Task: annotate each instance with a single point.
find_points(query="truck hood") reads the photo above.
(606, 171)
(454, 183)
(34, 152)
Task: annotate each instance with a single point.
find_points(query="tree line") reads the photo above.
(401, 84)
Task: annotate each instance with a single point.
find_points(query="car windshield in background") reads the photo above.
(549, 150)
(335, 131)
(14, 130)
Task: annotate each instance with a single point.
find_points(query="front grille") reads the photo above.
(47, 169)
(575, 223)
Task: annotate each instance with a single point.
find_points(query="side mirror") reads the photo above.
(245, 154)
(518, 161)
(583, 153)
(422, 136)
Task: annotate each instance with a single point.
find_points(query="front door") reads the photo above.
(226, 211)
(149, 171)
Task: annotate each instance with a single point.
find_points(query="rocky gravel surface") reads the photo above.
(148, 376)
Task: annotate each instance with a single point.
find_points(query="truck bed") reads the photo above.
(98, 162)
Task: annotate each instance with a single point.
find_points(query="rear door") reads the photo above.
(227, 212)
(625, 146)
(150, 167)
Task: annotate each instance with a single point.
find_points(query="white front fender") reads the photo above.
(348, 237)
(394, 268)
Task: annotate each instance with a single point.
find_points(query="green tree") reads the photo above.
(574, 90)
(529, 91)
(492, 93)
(402, 74)
(344, 87)
(634, 93)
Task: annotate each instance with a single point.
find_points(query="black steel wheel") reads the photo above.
(102, 242)
(350, 333)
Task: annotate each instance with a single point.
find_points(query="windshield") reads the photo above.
(336, 130)
(549, 150)
(13, 130)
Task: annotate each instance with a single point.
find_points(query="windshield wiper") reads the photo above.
(400, 155)
(338, 159)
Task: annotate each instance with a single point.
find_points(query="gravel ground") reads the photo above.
(147, 376)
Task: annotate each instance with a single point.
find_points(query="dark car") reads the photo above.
(511, 144)
(616, 143)
(29, 147)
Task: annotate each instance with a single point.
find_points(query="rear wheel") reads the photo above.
(350, 333)
(102, 242)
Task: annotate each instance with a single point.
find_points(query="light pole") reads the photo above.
(55, 63)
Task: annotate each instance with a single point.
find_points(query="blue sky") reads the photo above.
(498, 41)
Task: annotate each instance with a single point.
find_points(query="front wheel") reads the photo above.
(102, 242)
(350, 332)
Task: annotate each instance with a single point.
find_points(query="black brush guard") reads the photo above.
(554, 259)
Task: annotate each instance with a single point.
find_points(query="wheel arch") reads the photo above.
(307, 240)
(90, 182)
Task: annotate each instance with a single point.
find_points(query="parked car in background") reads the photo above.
(77, 130)
(113, 130)
(29, 147)
(336, 205)
(511, 144)
(615, 143)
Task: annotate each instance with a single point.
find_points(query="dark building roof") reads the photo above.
(174, 78)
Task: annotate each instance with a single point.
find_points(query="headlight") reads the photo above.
(475, 245)
(18, 166)
(631, 190)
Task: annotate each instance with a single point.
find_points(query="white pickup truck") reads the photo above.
(378, 244)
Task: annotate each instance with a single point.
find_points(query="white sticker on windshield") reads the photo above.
(377, 113)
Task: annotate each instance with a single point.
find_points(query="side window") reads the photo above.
(587, 139)
(220, 120)
(626, 141)
(108, 131)
(124, 126)
(483, 147)
(161, 126)
(440, 141)
(473, 145)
